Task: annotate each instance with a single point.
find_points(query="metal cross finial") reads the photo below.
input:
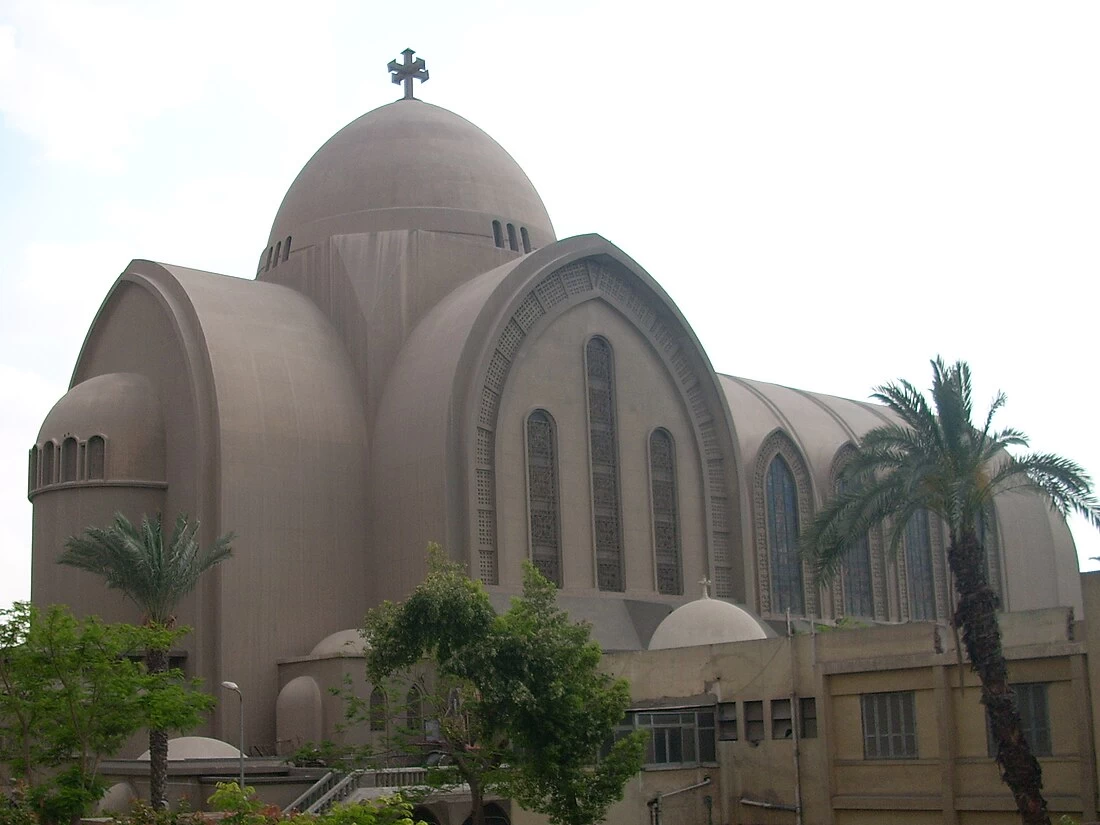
(408, 71)
(706, 587)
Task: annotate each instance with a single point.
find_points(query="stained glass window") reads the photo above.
(858, 591)
(782, 514)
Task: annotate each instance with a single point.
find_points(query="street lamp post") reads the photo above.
(240, 742)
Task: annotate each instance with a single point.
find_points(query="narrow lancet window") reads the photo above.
(604, 452)
(377, 710)
(782, 513)
(513, 244)
(286, 249)
(278, 252)
(666, 515)
(96, 457)
(858, 590)
(68, 459)
(542, 496)
(498, 234)
(525, 237)
(918, 567)
(414, 711)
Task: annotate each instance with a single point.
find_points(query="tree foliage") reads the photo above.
(71, 693)
(155, 576)
(937, 460)
(522, 708)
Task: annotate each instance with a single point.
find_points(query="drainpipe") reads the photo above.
(796, 719)
(655, 803)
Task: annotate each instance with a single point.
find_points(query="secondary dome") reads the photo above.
(409, 165)
(706, 621)
(341, 643)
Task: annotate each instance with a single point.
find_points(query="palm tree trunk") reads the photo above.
(976, 614)
(156, 661)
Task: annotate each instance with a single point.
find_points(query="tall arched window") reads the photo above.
(377, 710)
(513, 244)
(286, 249)
(48, 459)
(68, 459)
(278, 252)
(414, 711)
(666, 515)
(604, 452)
(96, 457)
(782, 513)
(858, 589)
(542, 496)
(525, 237)
(918, 567)
(498, 234)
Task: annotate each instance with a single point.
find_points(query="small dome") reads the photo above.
(341, 643)
(706, 621)
(198, 747)
(408, 165)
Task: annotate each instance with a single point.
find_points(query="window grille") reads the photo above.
(918, 568)
(542, 496)
(889, 725)
(683, 737)
(783, 530)
(1031, 701)
(604, 453)
(666, 521)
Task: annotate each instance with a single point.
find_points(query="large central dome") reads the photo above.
(409, 165)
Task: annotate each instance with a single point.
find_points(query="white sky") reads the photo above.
(832, 192)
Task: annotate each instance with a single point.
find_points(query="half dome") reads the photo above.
(409, 165)
(341, 643)
(706, 621)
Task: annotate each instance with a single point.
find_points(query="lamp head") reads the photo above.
(231, 686)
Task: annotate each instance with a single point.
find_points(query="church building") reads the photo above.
(420, 358)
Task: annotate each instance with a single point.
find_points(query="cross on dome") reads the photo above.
(408, 71)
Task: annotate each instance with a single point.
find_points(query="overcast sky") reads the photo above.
(833, 193)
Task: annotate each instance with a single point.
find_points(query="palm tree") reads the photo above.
(154, 576)
(936, 460)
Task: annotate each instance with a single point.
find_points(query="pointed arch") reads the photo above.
(32, 473)
(543, 512)
(782, 494)
(919, 573)
(549, 282)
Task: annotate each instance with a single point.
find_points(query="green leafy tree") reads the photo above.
(524, 708)
(155, 575)
(70, 694)
(937, 460)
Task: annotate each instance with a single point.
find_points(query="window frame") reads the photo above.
(699, 735)
(1027, 694)
(893, 743)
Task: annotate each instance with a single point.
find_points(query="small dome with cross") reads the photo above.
(410, 165)
(707, 621)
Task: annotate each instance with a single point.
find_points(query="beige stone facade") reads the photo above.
(419, 358)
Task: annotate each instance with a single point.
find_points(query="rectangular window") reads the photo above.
(889, 725)
(782, 727)
(754, 721)
(682, 737)
(807, 718)
(727, 722)
(1031, 699)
